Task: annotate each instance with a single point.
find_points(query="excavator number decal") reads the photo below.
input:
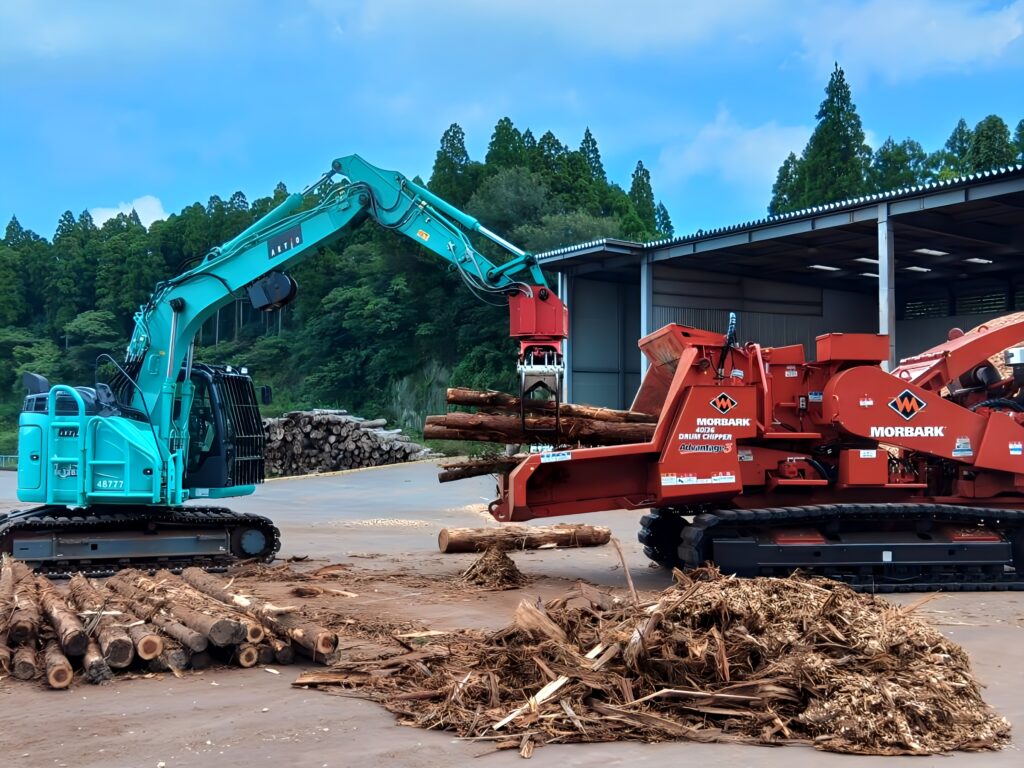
(723, 403)
(112, 485)
(907, 404)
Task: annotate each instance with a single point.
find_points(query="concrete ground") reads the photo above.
(387, 519)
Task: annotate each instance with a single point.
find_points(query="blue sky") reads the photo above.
(160, 104)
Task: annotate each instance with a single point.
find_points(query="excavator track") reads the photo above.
(59, 541)
(870, 547)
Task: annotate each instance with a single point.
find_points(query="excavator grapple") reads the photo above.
(764, 462)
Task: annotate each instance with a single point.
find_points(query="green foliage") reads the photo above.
(663, 221)
(834, 163)
(990, 145)
(380, 326)
(896, 166)
(642, 195)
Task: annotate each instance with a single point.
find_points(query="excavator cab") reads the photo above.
(225, 431)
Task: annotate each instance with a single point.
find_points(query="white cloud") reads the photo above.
(910, 38)
(748, 157)
(148, 207)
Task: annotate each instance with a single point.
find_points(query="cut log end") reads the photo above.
(247, 655)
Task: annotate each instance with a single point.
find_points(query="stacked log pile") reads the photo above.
(503, 418)
(306, 442)
(137, 622)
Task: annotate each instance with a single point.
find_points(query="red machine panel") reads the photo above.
(864, 466)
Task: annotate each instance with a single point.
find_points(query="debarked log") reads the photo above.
(512, 537)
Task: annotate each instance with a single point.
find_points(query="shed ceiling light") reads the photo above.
(823, 267)
(931, 252)
(866, 260)
(915, 268)
(976, 260)
(869, 274)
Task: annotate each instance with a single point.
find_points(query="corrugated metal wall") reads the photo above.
(605, 321)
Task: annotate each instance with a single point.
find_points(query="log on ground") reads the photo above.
(511, 537)
(310, 638)
(5, 655)
(117, 647)
(25, 616)
(25, 664)
(69, 628)
(95, 666)
(58, 669)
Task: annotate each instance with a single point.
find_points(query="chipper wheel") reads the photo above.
(660, 530)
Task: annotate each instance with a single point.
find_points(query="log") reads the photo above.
(509, 429)
(149, 606)
(254, 632)
(96, 669)
(315, 640)
(148, 644)
(25, 665)
(173, 659)
(266, 654)
(201, 660)
(70, 631)
(246, 655)
(58, 669)
(6, 588)
(194, 641)
(491, 465)
(511, 537)
(23, 627)
(503, 401)
(218, 627)
(117, 647)
(283, 652)
(5, 655)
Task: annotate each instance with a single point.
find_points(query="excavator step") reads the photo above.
(871, 547)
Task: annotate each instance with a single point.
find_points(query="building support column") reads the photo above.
(887, 282)
(646, 305)
(565, 294)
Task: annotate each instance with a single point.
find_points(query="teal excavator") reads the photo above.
(110, 467)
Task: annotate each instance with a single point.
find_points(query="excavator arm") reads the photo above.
(156, 377)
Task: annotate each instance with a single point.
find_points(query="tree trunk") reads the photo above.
(6, 588)
(317, 641)
(254, 632)
(509, 429)
(511, 537)
(23, 626)
(491, 465)
(201, 660)
(149, 607)
(491, 399)
(246, 655)
(96, 668)
(266, 654)
(69, 628)
(148, 644)
(58, 669)
(283, 652)
(5, 655)
(117, 647)
(194, 641)
(173, 659)
(26, 663)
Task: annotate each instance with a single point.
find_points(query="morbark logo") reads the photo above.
(723, 403)
(907, 404)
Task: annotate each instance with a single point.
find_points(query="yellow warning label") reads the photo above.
(423, 235)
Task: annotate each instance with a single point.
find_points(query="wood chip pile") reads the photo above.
(135, 622)
(712, 659)
(494, 570)
(305, 442)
